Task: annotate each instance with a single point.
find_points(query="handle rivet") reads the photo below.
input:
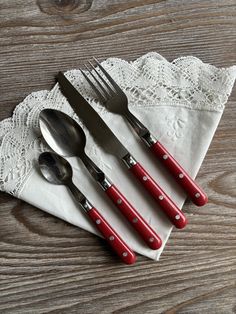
(151, 239)
(177, 217)
(98, 221)
(119, 201)
(145, 178)
(181, 175)
(161, 197)
(165, 156)
(125, 254)
(135, 220)
(197, 195)
(111, 238)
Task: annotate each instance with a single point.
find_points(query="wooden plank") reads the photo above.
(48, 265)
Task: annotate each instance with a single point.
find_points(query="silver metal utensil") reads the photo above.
(111, 144)
(115, 100)
(67, 138)
(57, 170)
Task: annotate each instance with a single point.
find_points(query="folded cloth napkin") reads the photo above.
(181, 102)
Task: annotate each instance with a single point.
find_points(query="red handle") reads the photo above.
(115, 241)
(169, 208)
(136, 220)
(190, 187)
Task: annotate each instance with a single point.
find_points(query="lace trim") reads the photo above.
(149, 81)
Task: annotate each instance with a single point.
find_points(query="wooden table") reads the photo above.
(49, 266)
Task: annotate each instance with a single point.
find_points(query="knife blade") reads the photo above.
(91, 119)
(108, 141)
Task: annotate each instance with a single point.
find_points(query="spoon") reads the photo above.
(57, 170)
(67, 138)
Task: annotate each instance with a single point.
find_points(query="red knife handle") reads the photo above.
(174, 214)
(135, 219)
(196, 194)
(115, 241)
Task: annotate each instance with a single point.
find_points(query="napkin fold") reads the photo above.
(181, 102)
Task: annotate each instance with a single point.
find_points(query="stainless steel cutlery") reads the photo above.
(115, 100)
(67, 138)
(58, 171)
(110, 143)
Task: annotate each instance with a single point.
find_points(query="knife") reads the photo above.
(106, 139)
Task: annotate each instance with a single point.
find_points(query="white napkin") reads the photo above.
(180, 102)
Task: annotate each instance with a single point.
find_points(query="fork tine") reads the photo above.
(110, 79)
(102, 79)
(105, 92)
(99, 94)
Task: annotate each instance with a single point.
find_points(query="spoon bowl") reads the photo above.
(55, 169)
(66, 137)
(62, 133)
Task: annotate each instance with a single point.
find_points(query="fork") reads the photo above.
(115, 100)
(173, 213)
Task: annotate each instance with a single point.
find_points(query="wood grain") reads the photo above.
(49, 266)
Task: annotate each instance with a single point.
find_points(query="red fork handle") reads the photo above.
(174, 214)
(196, 194)
(115, 241)
(136, 220)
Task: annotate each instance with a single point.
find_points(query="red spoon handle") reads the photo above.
(115, 241)
(196, 194)
(174, 214)
(135, 219)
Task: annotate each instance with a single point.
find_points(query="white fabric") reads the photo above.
(181, 102)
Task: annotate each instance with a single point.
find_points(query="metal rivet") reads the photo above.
(111, 238)
(177, 217)
(85, 206)
(135, 220)
(181, 175)
(145, 178)
(161, 197)
(98, 221)
(151, 239)
(119, 201)
(125, 254)
(165, 156)
(197, 195)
